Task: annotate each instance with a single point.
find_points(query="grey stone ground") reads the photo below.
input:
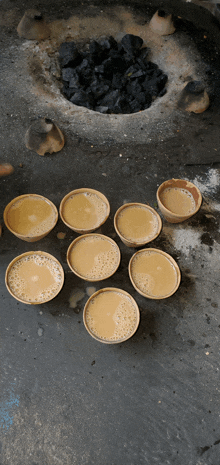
(65, 398)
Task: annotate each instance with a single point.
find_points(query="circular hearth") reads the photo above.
(177, 55)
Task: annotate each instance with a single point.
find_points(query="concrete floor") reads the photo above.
(65, 398)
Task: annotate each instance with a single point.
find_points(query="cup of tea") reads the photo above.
(30, 217)
(84, 210)
(93, 257)
(111, 315)
(34, 277)
(178, 200)
(137, 224)
(154, 273)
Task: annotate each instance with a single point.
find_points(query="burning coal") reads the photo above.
(111, 77)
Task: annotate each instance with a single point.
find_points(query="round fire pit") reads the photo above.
(174, 58)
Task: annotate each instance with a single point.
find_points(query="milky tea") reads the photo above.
(178, 200)
(34, 277)
(154, 273)
(84, 210)
(111, 315)
(137, 224)
(93, 257)
(30, 216)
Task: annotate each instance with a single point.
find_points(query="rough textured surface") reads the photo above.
(65, 398)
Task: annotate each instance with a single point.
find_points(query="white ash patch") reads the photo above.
(75, 297)
(90, 290)
(40, 332)
(210, 184)
(185, 240)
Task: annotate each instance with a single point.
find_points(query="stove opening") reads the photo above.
(111, 77)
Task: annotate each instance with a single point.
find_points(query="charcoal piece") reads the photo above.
(138, 74)
(99, 91)
(113, 64)
(96, 53)
(109, 99)
(148, 100)
(69, 55)
(131, 43)
(67, 92)
(150, 73)
(157, 72)
(131, 70)
(141, 98)
(109, 43)
(151, 65)
(85, 71)
(82, 98)
(99, 69)
(83, 65)
(133, 88)
(135, 106)
(86, 77)
(147, 105)
(142, 64)
(118, 64)
(95, 48)
(161, 81)
(150, 86)
(118, 81)
(74, 83)
(143, 54)
(129, 60)
(121, 106)
(162, 92)
(102, 109)
(68, 73)
(108, 71)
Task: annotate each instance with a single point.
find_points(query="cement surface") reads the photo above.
(66, 398)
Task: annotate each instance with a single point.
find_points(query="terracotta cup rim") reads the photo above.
(170, 258)
(113, 289)
(33, 252)
(25, 236)
(169, 183)
(132, 204)
(92, 235)
(79, 191)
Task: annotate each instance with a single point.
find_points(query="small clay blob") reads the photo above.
(44, 136)
(194, 97)
(33, 26)
(6, 169)
(161, 23)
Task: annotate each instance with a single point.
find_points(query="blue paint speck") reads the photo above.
(6, 410)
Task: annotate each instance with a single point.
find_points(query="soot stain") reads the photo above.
(36, 71)
(206, 239)
(147, 328)
(209, 223)
(187, 281)
(208, 319)
(217, 442)
(163, 243)
(202, 450)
